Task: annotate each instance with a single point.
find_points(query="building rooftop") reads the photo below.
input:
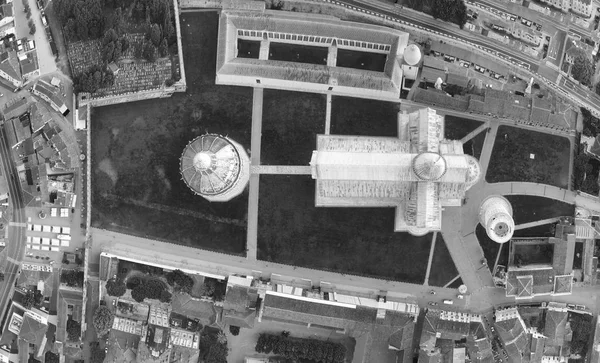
(239, 307)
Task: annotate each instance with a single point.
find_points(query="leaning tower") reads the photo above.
(215, 167)
(495, 215)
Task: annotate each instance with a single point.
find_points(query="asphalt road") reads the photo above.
(16, 234)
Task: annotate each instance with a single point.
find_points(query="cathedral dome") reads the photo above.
(429, 166)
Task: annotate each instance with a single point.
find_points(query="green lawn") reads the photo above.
(443, 269)
(357, 116)
(455, 128)
(474, 146)
(136, 147)
(527, 208)
(291, 121)
(359, 241)
(512, 160)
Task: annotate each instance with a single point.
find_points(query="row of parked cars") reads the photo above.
(40, 6)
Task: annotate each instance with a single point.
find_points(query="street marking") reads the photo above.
(17, 224)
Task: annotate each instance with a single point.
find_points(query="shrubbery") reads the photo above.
(72, 278)
(180, 281)
(293, 348)
(454, 11)
(151, 289)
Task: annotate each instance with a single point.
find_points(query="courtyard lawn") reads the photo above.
(357, 116)
(443, 269)
(490, 248)
(291, 122)
(539, 254)
(527, 208)
(455, 128)
(512, 160)
(136, 146)
(474, 146)
(359, 241)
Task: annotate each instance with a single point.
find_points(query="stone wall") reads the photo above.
(85, 98)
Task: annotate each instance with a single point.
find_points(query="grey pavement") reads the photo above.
(42, 44)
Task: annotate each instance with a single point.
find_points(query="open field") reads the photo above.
(356, 116)
(455, 128)
(527, 208)
(443, 269)
(291, 122)
(136, 149)
(529, 156)
(359, 241)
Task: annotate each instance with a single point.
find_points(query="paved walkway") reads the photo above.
(281, 169)
(254, 182)
(475, 132)
(536, 223)
(328, 115)
(431, 251)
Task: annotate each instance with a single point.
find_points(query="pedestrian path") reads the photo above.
(475, 132)
(431, 251)
(536, 223)
(281, 169)
(252, 229)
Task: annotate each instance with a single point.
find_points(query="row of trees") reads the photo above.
(72, 278)
(454, 11)
(94, 78)
(582, 331)
(180, 281)
(299, 349)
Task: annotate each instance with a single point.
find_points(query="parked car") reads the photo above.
(432, 303)
(432, 292)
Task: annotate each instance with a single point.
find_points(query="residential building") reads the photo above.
(582, 7)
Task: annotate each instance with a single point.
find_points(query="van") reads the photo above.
(448, 302)
(44, 21)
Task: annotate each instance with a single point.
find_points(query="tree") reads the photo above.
(150, 53)
(98, 354)
(103, 319)
(234, 330)
(1, 276)
(28, 299)
(31, 27)
(180, 281)
(163, 48)
(73, 330)
(27, 10)
(154, 34)
(591, 124)
(450, 10)
(165, 296)
(51, 357)
(139, 293)
(115, 287)
(582, 69)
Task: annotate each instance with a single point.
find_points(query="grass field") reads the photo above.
(455, 128)
(443, 269)
(356, 116)
(136, 148)
(359, 241)
(527, 208)
(291, 122)
(512, 160)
